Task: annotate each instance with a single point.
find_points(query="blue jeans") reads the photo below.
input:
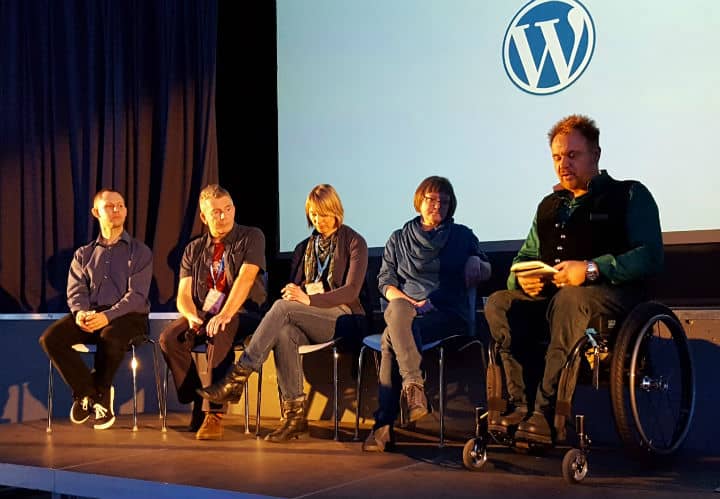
(404, 335)
(287, 326)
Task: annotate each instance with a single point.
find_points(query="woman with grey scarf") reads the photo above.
(427, 267)
(328, 271)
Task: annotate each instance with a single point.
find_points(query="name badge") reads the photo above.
(213, 301)
(314, 288)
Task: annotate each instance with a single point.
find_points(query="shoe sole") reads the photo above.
(208, 437)
(111, 421)
(533, 437)
(297, 436)
(78, 421)
(417, 415)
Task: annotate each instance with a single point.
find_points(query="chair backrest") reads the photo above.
(472, 315)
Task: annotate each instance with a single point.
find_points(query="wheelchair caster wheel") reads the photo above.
(475, 454)
(574, 466)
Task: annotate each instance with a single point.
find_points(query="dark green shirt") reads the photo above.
(644, 236)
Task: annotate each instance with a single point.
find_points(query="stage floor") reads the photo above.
(119, 463)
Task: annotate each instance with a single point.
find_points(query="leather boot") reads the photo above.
(501, 422)
(535, 429)
(228, 389)
(295, 425)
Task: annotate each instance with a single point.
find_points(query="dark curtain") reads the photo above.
(93, 94)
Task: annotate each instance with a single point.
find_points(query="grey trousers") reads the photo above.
(401, 359)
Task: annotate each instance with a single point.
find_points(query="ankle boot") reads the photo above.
(228, 389)
(295, 424)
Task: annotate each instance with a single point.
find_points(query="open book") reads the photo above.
(532, 268)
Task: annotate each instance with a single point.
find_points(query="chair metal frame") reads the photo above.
(91, 348)
(373, 342)
(308, 349)
(201, 349)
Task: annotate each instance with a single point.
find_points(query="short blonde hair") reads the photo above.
(213, 191)
(99, 194)
(432, 185)
(325, 200)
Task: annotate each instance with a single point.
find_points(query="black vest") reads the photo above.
(596, 227)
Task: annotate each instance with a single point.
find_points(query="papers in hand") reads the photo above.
(532, 268)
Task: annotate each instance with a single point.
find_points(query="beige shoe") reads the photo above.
(211, 428)
(379, 440)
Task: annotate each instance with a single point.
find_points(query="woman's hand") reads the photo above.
(293, 292)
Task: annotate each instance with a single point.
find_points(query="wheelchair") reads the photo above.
(646, 363)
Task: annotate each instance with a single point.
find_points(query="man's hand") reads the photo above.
(476, 271)
(424, 306)
(293, 292)
(194, 322)
(94, 321)
(217, 324)
(571, 273)
(531, 285)
(80, 320)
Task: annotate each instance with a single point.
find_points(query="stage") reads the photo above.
(119, 463)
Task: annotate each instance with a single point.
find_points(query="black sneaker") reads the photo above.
(104, 416)
(80, 410)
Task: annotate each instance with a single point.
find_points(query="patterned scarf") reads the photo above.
(326, 248)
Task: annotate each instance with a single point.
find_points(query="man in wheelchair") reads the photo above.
(599, 239)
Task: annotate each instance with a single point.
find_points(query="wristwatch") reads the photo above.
(592, 272)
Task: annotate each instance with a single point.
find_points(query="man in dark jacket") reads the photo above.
(603, 239)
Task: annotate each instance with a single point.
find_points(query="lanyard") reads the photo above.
(321, 266)
(221, 268)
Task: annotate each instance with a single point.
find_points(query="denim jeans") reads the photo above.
(401, 353)
(287, 326)
(515, 318)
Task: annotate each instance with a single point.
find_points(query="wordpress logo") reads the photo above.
(548, 45)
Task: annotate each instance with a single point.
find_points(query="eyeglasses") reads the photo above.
(436, 200)
(219, 214)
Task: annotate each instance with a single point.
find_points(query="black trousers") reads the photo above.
(112, 343)
(517, 320)
(177, 341)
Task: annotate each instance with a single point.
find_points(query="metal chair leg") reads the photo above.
(336, 409)
(50, 399)
(442, 396)
(358, 394)
(164, 408)
(259, 399)
(247, 407)
(133, 366)
(156, 373)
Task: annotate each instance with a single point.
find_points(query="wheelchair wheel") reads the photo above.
(574, 466)
(475, 454)
(652, 385)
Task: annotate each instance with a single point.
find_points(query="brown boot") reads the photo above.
(211, 428)
(416, 401)
(295, 424)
